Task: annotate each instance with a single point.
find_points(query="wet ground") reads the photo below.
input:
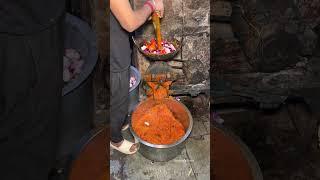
(276, 142)
(192, 163)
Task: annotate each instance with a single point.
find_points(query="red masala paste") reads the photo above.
(157, 125)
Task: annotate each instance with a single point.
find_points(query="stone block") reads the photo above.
(175, 64)
(172, 22)
(309, 10)
(195, 71)
(221, 8)
(179, 72)
(196, 55)
(196, 16)
(207, 126)
(197, 47)
(142, 61)
(222, 31)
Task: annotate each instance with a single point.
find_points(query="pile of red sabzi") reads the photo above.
(157, 125)
(151, 47)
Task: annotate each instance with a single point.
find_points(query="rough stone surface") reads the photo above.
(285, 83)
(195, 71)
(197, 47)
(221, 8)
(196, 55)
(179, 72)
(172, 23)
(229, 57)
(272, 57)
(200, 161)
(207, 126)
(310, 38)
(196, 16)
(222, 30)
(198, 129)
(137, 167)
(143, 63)
(277, 32)
(175, 64)
(191, 89)
(102, 29)
(309, 10)
(200, 107)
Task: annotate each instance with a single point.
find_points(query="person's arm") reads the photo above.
(130, 20)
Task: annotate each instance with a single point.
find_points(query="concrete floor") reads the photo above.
(192, 163)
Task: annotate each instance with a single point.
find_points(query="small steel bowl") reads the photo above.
(139, 42)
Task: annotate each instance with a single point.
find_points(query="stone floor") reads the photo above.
(192, 163)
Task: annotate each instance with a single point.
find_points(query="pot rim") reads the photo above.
(163, 146)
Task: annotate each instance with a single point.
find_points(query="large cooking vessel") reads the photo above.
(231, 158)
(157, 152)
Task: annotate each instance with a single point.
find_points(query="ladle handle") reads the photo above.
(156, 24)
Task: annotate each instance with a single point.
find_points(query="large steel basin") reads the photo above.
(158, 152)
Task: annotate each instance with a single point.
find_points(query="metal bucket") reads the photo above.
(134, 90)
(156, 152)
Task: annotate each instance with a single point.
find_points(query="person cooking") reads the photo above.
(123, 20)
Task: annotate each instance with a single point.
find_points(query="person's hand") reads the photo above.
(159, 7)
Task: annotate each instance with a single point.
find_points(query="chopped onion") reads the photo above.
(168, 47)
(167, 50)
(72, 64)
(133, 81)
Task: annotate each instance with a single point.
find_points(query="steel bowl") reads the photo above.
(134, 90)
(138, 42)
(158, 152)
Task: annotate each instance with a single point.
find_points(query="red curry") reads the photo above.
(157, 125)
